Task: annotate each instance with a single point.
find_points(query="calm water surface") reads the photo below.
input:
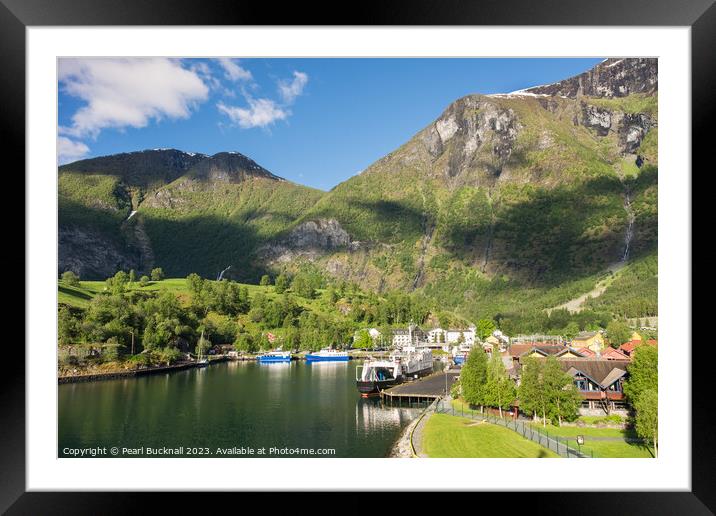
(232, 405)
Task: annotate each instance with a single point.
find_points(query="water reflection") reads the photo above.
(371, 415)
(233, 404)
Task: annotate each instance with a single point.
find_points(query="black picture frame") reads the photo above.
(17, 15)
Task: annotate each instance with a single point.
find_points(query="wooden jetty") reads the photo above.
(422, 390)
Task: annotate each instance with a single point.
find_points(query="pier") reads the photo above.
(423, 390)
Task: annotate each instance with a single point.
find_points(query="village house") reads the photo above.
(593, 340)
(436, 336)
(600, 382)
(461, 335)
(446, 339)
(628, 348)
(614, 354)
(411, 336)
(520, 351)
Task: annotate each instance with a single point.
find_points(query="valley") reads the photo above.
(504, 206)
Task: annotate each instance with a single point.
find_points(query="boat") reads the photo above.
(275, 356)
(328, 355)
(406, 364)
(201, 362)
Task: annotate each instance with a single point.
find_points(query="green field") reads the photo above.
(455, 437)
(80, 297)
(615, 448)
(599, 449)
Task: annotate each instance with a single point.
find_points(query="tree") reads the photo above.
(195, 284)
(157, 274)
(499, 388)
(117, 284)
(363, 340)
(132, 276)
(647, 417)
(303, 286)
(618, 333)
(71, 279)
(281, 283)
(245, 343)
(265, 280)
(485, 327)
(531, 393)
(547, 391)
(67, 326)
(571, 330)
(144, 281)
(474, 376)
(643, 373)
(563, 398)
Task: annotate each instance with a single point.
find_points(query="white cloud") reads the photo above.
(69, 150)
(290, 90)
(128, 92)
(260, 113)
(233, 70)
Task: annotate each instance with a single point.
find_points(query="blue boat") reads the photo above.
(328, 355)
(275, 356)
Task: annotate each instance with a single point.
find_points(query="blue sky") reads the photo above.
(313, 121)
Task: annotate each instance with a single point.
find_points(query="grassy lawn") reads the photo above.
(601, 449)
(454, 437)
(615, 449)
(574, 431)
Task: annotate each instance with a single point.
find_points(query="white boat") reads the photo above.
(275, 356)
(408, 363)
(201, 362)
(328, 354)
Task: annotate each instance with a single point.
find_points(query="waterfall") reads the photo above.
(221, 274)
(630, 224)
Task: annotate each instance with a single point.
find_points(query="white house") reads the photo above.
(468, 335)
(436, 336)
(409, 337)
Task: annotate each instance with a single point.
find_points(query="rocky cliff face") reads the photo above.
(611, 78)
(310, 239)
(228, 167)
(90, 254)
(630, 128)
(473, 129)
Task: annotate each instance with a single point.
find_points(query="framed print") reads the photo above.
(421, 254)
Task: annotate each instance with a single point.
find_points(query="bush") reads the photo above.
(71, 279)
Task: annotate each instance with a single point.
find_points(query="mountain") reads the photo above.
(516, 200)
(181, 211)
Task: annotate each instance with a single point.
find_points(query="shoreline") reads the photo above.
(403, 446)
(132, 373)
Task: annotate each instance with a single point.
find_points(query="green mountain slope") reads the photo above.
(505, 204)
(191, 214)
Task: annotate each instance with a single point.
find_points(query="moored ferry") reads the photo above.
(409, 363)
(275, 356)
(328, 354)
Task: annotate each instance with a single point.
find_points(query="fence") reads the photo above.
(554, 443)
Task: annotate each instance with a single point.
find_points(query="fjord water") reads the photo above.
(232, 405)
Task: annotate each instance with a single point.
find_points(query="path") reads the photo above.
(577, 304)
